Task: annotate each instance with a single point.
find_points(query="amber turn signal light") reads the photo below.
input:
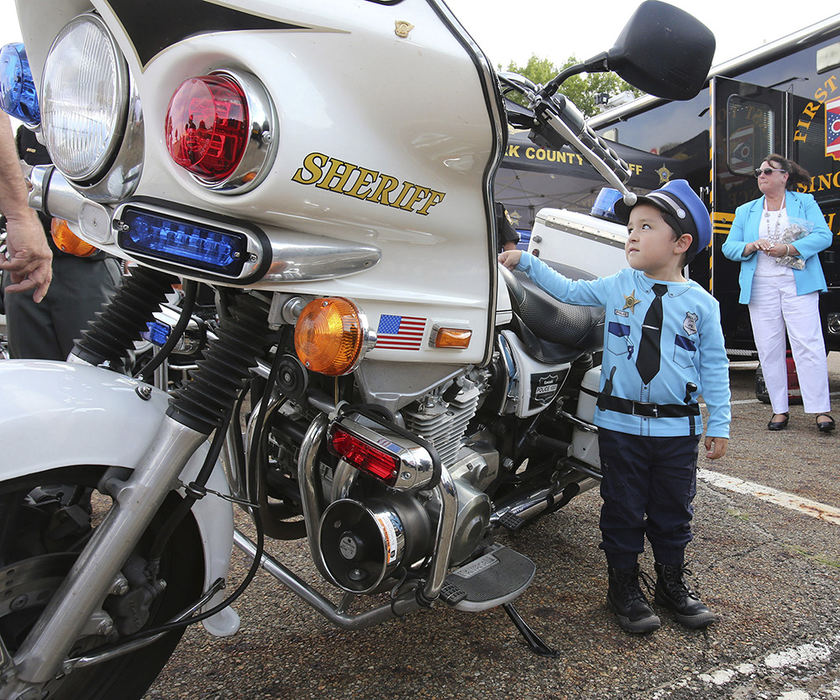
(453, 338)
(67, 241)
(329, 336)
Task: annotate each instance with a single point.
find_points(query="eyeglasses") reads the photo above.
(767, 171)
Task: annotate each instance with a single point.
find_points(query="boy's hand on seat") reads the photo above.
(510, 258)
(716, 447)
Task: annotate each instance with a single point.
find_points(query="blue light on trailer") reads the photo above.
(183, 242)
(17, 88)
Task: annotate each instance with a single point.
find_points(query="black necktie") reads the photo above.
(647, 361)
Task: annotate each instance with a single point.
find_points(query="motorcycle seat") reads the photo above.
(552, 330)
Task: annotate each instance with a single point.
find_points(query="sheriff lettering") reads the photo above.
(339, 176)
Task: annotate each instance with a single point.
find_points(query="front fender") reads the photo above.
(54, 414)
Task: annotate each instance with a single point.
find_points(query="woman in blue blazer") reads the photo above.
(776, 238)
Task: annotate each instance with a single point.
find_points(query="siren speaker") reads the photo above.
(362, 545)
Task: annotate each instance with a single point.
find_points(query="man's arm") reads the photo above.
(29, 257)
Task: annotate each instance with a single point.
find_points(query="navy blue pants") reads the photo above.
(647, 487)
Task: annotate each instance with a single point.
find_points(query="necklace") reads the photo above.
(774, 237)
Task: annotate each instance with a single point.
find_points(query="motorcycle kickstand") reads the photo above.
(535, 642)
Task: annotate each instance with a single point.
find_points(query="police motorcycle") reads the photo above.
(375, 384)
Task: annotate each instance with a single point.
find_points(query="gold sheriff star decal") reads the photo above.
(630, 301)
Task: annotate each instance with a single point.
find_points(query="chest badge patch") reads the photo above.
(690, 323)
(630, 301)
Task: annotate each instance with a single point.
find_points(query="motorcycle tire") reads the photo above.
(45, 520)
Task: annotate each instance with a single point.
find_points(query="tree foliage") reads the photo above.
(582, 89)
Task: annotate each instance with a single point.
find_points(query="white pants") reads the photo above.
(773, 306)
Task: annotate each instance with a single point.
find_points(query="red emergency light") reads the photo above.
(207, 126)
(364, 456)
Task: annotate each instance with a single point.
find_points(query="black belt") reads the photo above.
(647, 410)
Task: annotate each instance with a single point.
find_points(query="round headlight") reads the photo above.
(84, 98)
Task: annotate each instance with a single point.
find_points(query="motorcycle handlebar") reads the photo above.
(558, 122)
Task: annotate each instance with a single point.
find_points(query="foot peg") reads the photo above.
(511, 522)
(497, 577)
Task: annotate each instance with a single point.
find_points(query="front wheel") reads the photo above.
(45, 521)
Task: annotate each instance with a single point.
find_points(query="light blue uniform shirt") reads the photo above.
(691, 343)
(745, 229)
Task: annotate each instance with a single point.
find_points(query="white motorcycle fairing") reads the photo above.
(66, 415)
(428, 117)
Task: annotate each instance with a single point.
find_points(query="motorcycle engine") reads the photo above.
(442, 420)
(369, 532)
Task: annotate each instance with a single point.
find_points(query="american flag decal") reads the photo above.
(400, 332)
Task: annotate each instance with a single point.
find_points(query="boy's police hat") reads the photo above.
(679, 200)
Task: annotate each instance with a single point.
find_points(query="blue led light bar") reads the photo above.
(17, 88)
(183, 242)
(157, 332)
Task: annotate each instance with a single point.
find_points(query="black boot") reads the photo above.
(629, 603)
(673, 593)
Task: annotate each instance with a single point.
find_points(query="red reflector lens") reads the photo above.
(207, 126)
(365, 457)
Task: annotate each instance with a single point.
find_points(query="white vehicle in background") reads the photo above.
(579, 241)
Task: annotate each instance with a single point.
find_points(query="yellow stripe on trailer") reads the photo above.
(722, 222)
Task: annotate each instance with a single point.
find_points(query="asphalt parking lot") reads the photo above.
(768, 564)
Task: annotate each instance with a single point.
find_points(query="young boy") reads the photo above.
(663, 345)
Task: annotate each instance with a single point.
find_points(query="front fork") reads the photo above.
(135, 503)
(192, 415)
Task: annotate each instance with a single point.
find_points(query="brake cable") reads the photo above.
(259, 549)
